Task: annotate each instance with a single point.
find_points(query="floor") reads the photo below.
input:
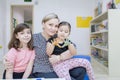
(100, 74)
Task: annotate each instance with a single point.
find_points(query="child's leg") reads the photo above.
(77, 62)
(62, 70)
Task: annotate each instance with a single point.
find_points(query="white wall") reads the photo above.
(67, 11)
(9, 3)
(2, 26)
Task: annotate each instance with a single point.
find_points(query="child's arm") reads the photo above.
(29, 66)
(52, 42)
(50, 48)
(72, 49)
(28, 69)
(70, 52)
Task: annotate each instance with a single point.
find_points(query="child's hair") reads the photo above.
(64, 23)
(14, 42)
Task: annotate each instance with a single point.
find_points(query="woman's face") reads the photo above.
(50, 27)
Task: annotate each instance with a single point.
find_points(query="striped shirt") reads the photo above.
(41, 63)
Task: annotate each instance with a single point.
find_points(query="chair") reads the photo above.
(85, 57)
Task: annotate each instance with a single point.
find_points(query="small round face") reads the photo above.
(63, 32)
(24, 36)
(50, 27)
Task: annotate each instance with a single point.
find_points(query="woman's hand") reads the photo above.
(54, 59)
(7, 64)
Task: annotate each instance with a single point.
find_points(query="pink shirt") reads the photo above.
(20, 58)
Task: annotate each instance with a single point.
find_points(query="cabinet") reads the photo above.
(105, 41)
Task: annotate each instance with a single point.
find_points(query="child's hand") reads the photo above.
(56, 42)
(66, 42)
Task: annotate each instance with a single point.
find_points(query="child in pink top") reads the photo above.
(21, 53)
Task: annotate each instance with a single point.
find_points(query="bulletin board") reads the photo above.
(83, 22)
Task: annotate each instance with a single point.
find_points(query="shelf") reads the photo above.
(105, 52)
(101, 31)
(100, 63)
(100, 17)
(100, 47)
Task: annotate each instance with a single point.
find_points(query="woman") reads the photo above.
(42, 65)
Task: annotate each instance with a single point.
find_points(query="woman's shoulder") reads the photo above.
(36, 34)
(37, 39)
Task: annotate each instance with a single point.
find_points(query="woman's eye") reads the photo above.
(50, 24)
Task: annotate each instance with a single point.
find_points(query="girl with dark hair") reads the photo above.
(20, 54)
(59, 44)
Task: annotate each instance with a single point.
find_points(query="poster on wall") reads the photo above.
(83, 22)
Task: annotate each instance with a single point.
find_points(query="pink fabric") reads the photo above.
(62, 68)
(20, 58)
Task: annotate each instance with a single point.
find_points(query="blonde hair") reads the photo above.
(49, 17)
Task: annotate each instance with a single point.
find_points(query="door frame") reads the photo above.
(11, 15)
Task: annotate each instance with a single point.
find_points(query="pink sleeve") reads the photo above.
(11, 55)
(33, 55)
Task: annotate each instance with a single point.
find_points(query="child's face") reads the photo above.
(24, 36)
(63, 32)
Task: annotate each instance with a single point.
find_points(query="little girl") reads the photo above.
(58, 44)
(21, 53)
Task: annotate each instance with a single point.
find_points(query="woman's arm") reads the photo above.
(65, 55)
(7, 64)
(28, 69)
(56, 58)
(9, 73)
(69, 53)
